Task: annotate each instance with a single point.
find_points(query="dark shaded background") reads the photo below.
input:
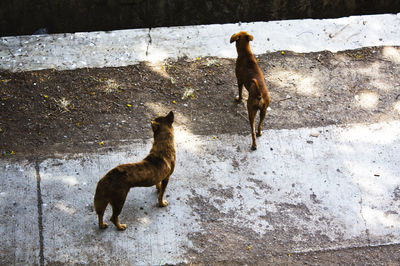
(20, 17)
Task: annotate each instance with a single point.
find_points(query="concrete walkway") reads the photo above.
(339, 189)
(303, 189)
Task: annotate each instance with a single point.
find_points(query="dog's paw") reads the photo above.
(254, 147)
(122, 227)
(103, 226)
(259, 133)
(238, 99)
(163, 203)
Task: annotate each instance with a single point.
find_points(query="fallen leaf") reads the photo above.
(101, 143)
(129, 105)
(189, 92)
(12, 152)
(172, 102)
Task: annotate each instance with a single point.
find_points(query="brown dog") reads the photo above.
(249, 74)
(155, 169)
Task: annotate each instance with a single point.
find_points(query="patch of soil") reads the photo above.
(48, 113)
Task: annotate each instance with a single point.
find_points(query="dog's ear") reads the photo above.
(249, 37)
(155, 126)
(234, 37)
(170, 117)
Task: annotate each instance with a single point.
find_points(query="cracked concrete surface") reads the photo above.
(266, 199)
(148, 42)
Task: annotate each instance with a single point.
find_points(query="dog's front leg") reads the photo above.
(161, 201)
(240, 87)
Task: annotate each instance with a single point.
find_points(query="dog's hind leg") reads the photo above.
(263, 112)
(100, 205)
(252, 119)
(117, 202)
(161, 202)
(158, 186)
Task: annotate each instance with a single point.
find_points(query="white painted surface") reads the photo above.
(19, 229)
(334, 179)
(127, 47)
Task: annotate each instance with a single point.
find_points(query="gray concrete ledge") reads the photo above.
(127, 47)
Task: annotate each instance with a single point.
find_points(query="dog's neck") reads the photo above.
(163, 144)
(243, 48)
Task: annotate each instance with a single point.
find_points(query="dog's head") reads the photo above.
(241, 36)
(162, 123)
